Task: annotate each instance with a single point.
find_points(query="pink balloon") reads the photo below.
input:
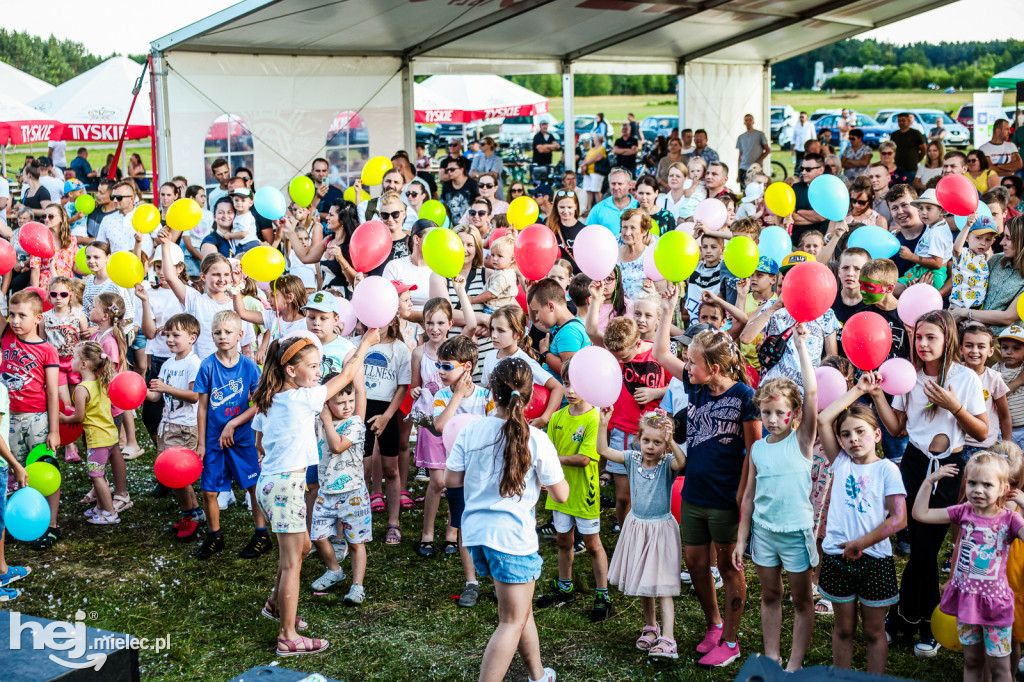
(346, 316)
(452, 428)
(712, 213)
(897, 376)
(375, 301)
(650, 269)
(687, 227)
(596, 251)
(596, 376)
(831, 386)
(263, 286)
(917, 300)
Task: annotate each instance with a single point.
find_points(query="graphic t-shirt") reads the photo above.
(640, 372)
(480, 402)
(23, 371)
(715, 445)
(334, 355)
(993, 388)
(229, 389)
(857, 503)
(577, 435)
(179, 374)
(343, 472)
(386, 367)
(704, 278)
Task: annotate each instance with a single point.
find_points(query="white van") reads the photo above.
(522, 129)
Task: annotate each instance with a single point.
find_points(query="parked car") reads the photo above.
(874, 134)
(427, 137)
(818, 113)
(584, 128)
(783, 116)
(653, 126)
(522, 129)
(956, 134)
(889, 122)
(488, 127)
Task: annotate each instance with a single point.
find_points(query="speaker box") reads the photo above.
(761, 669)
(38, 649)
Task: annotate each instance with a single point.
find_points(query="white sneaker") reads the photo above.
(717, 576)
(248, 502)
(685, 577)
(549, 676)
(225, 499)
(328, 580)
(926, 648)
(356, 595)
(340, 550)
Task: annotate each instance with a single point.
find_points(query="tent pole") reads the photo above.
(681, 95)
(408, 108)
(569, 125)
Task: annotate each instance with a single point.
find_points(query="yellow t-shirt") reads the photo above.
(98, 423)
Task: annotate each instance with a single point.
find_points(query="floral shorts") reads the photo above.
(282, 497)
(997, 639)
(352, 509)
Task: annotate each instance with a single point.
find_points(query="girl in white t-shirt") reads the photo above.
(946, 405)
(508, 332)
(496, 468)
(285, 318)
(290, 400)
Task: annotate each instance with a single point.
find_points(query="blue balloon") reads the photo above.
(829, 197)
(270, 203)
(28, 515)
(775, 243)
(961, 220)
(877, 241)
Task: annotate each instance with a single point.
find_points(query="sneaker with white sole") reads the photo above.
(421, 475)
(926, 647)
(549, 676)
(716, 575)
(225, 499)
(356, 595)
(721, 656)
(328, 580)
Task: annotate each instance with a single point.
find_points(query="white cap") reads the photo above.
(177, 255)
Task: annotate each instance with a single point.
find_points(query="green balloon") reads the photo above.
(434, 210)
(80, 262)
(302, 191)
(741, 256)
(444, 252)
(38, 452)
(43, 477)
(85, 204)
(676, 255)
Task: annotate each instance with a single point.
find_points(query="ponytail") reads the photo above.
(281, 354)
(112, 305)
(512, 384)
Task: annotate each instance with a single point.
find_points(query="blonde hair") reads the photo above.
(505, 241)
(657, 420)
(986, 458)
(391, 198)
(1014, 457)
(882, 270)
(112, 305)
(99, 362)
(718, 348)
(782, 387)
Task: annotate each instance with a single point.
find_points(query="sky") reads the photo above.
(107, 31)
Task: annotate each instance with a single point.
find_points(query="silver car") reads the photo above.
(956, 134)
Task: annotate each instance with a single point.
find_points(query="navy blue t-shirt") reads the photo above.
(715, 447)
(229, 389)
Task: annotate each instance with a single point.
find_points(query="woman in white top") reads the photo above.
(494, 476)
(693, 189)
(672, 200)
(412, 269)
(489, 184)
(635, 235)
(930, 167)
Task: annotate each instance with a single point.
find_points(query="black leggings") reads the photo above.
(153, 410)
(919, 589)
(389, 438)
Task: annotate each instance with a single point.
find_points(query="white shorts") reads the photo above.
(563, 523)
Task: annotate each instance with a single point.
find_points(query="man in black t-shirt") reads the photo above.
(104, 207)
(543, 144)
(460, 190)
(910, 144)
(625, 149)
(454, 154)
(804, 217)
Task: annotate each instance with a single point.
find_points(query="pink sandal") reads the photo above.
(649, 636)
(270, 611)
(406, 502)
(376, 502)
(664, 648)
(309, 646)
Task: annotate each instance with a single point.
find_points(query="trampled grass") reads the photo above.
(136, 578)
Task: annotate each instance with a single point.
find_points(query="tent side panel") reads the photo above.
(288, 103)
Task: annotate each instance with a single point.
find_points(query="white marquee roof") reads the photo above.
(19, 85)
(545, 33)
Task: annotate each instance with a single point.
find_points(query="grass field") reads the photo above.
(136, 578)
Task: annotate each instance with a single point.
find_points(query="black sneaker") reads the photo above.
(579, 547)
(421, 475)
(556, 597)
(257, 547)
(547, 530)
(947, 565)
(602, 609)
(48, 539)
(211, 545)
(160, 490)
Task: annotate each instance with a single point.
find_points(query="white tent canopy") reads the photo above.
(21, 124)
(94, 105)
(20, 86)
(432, 107)
(486, 96)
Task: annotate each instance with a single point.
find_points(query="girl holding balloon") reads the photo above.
(96, 256)
(285, 317)
(944, 406)
(332, 252)
(62, 262)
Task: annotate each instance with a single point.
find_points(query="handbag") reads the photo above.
(603, 166)
(772, 349)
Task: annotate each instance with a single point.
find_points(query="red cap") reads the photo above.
(402, 287)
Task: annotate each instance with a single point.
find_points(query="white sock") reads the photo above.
(475, 582)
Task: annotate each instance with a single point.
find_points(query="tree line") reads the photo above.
(54, 61)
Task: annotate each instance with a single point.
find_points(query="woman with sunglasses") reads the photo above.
(516, 190)
(490, 189)
(930, 166)
(983, 177)
(488, 162)
(331, 252)
(565, 222)
(887, 157)
(1015, 186)
(862, 199)
(62, 263)
(479, 215)
(416, 193)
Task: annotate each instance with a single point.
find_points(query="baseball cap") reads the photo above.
(402, 287)
(928, 197)
(982, 225)
(687, 338)
(766, 264)
(240, 192)
(542, 189)
(1014, 331)
(177, 255)
(323, 301)
(795, 258)
(73, 185)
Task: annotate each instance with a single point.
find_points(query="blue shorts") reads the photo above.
(796, 551)
(220, 466)
(511, 569)
(616, 441)
(139, 342)
(313, 474)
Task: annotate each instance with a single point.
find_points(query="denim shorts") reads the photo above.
(511, 569)
(796, 550)
(616, 441)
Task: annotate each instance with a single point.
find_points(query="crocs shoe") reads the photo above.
(13, 574)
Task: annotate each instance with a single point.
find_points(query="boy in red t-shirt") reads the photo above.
(30, 371)
(644, 383)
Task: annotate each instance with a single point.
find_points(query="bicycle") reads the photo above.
(778, 172)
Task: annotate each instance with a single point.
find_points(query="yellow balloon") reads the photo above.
(944, 630)
(184, 214)
(146, 218)
(676, 255)
(125, 269)
(780, 199)
(374, 170)
(522, 212)
(444, 252)
(741, 256)
(263, 263)
(350, 195)
(1020, 307)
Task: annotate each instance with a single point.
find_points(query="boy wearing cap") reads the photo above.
(762, 291)
(935, 247)
(321, 311)
(72, 190)
(245, 222)
(1011, 347)
(970, 275)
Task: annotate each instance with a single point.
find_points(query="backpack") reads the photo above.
(772, 350)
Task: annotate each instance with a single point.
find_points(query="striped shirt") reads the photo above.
(1014, 398)
(476, 283)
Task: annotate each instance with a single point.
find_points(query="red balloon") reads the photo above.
(7, 257)
(497, 234)
(47, 304)
(178, 467)
(127, 391)
(536, 251)
(867, 339)
(69, 433)
(957, 194)
(538, 402)
(370, 245)
(677, 496)
(37, 240)
(521, 299)
(808, 290)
